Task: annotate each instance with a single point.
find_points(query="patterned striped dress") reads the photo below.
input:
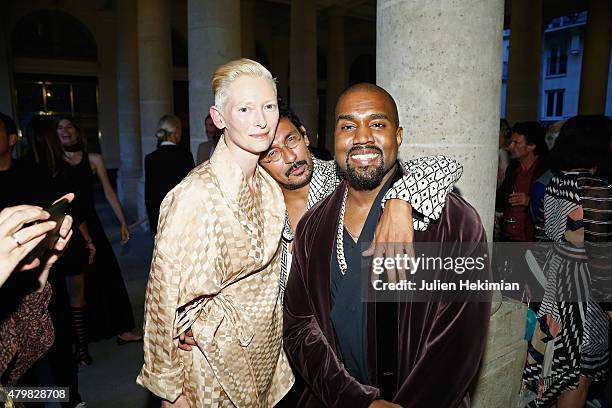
(577, 217)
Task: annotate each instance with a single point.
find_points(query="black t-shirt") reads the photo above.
(348, 311)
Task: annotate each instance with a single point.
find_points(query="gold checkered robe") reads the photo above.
(215, 268)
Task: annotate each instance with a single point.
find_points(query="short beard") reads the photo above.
(365, 178)
(298, 184)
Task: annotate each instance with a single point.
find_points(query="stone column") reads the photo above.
(107, 78)
(523, 84)
(155, 68)
(128, 110)
(214, 39)
(303, 64)
(442, 64)
(247, 28)
(596, 58)
(447, 84)
(336, 71)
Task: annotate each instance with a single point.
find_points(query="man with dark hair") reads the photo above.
(527, 150)
(350, 354)
(24, 182)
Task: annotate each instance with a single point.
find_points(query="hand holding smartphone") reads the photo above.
(57, 212)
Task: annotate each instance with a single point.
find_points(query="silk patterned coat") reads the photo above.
(215, 268)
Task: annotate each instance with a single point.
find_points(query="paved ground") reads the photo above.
(111, 380)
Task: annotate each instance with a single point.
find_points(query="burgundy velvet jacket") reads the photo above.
(439, 344)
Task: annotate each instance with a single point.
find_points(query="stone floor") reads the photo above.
(111, 380)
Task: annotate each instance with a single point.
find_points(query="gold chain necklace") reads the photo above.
(340, 236)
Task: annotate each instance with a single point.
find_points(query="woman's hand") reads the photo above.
(16, 242)
(125, 234)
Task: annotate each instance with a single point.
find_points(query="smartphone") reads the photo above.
(57, 212)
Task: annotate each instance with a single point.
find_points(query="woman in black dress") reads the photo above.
(110, 311)
(68, 303)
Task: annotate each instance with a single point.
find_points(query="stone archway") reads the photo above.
(56, 42)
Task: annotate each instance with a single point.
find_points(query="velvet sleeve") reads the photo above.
(309, 350)
(455, 343)
(454, 337)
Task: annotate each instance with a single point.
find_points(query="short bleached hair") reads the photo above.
(227, 73)
(167, 125)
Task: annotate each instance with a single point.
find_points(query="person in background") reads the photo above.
(21, 181)
(528, 151)
(58, 366)
(165, 167)
(48, 152)
(207, 148)
(537, 192)
(109, 311)
(577, 218)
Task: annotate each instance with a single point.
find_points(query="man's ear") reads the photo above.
(531, 147)
(399, 136)
(302, 130)
(12, 141)
(217, 117)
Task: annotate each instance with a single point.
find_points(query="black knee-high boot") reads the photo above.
(79, 320)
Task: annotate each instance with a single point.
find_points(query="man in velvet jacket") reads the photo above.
(421, 354)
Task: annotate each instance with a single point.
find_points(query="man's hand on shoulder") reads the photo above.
(394, 235)
(181, 402)
(186, 340)
(383, 404)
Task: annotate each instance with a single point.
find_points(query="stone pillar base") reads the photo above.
(499, 379)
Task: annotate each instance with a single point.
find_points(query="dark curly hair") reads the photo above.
(534, 135)
(583, 143)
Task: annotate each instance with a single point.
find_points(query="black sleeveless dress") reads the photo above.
(109, 308)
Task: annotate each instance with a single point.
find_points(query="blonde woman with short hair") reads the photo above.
(216, 263)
